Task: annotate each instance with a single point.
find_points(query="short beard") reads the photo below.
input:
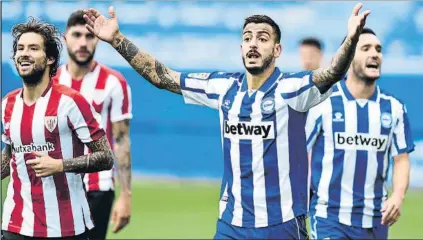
(259, 70)
(80, 63)
(36, 76)
(368, 81)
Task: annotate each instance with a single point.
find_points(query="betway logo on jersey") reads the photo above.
(49, 147)
(360, 141)
(248, 130)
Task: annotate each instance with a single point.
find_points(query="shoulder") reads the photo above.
(397, 104)
(113, 73)
(71, 96)
(11, 94)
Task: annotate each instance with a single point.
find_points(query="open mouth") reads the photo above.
(373, 65)
(25, 64)
(253, 55)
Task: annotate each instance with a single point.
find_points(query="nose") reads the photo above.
(82, 41)
(374, 53)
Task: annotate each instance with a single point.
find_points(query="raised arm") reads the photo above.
(146, 65)
(6, 155)
(324, 78)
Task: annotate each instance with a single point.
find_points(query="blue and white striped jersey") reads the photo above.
(263, 140)
(351, 142)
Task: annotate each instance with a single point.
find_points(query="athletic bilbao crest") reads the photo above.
(50, 122)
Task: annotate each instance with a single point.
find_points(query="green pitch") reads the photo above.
(188, 210)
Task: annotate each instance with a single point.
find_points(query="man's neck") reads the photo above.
(358, 88)
(256, 81)
(78, 71)
(32, 93)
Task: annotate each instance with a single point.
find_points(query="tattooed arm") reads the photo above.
(324, 78)
(147, 66)
(122, 149)
(6, 155)
(100, 159)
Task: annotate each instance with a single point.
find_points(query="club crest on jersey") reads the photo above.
(268, 105)
(50, 122)
(386, 120)
(199, 75)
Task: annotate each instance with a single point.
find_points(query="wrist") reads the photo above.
(117, 39)
(60, 167)
(125, 194)
(398, 195)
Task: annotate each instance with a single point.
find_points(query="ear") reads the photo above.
(50, 60)
(277, 50)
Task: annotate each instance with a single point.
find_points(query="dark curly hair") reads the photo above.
(51, 35)
(264, 19)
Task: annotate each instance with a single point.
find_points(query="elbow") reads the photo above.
(109, 162)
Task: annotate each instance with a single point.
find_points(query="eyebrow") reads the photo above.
(259, 32)
(30, 45)
(369, 44)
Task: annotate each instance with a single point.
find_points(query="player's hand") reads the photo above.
(105, 29)
(357, 21)
(391, 210)
(45, 165)
(121, 213)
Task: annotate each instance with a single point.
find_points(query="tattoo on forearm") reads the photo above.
(166, 80)
(6, 155)
(100, 159)
(146, 65)
(324, 78)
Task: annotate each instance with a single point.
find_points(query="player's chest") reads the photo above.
(96, 93)
(359, 128)
(253, 106)
(40, 127)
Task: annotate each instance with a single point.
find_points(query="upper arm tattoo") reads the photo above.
(147, 66)
(100, 159)
(324, 78)
(6, 155)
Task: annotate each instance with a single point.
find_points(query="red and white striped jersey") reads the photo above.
(110, 94)
(58, 124)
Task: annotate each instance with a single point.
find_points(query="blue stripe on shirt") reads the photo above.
(360, 167)
(338, 160)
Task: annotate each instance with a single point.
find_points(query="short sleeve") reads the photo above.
(205, 88)
(121, 99)
(402, 140)
(300, 92)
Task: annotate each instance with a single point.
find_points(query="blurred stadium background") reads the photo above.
(176, 148)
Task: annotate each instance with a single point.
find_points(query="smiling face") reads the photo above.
(30, 58)
(259, 48)
(367, 62)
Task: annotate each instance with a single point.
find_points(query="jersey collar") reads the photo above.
(349, 96)
(266, 85)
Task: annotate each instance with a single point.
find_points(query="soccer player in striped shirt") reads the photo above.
(262, 113)
(45, 128)
(110, 95)
(352, 135)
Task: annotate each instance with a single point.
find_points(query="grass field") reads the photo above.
(188, 210)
